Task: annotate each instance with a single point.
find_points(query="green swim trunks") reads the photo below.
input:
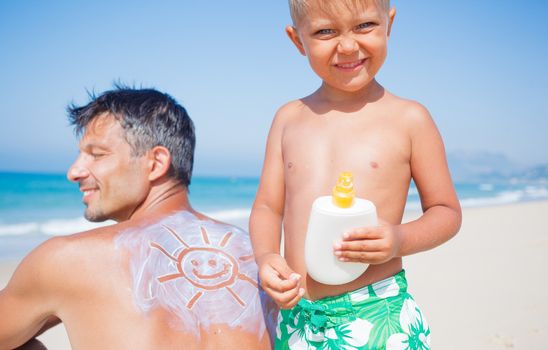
(379, 316)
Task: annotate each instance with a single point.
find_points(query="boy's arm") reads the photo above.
(26, 305)
(265, 224)
(441, 217)
(442, 214)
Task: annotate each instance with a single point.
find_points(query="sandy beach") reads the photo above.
(485, 289)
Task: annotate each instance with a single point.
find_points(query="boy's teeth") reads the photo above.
(350, 65)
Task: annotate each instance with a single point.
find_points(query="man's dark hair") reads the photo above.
(149, 118)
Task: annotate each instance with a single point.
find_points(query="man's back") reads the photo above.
(179, 282)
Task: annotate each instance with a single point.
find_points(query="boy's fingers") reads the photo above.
(365, 257)
(289, 284)
(284, 270)
(282, 286)
(369, 245)
(288, 278)
(286, 298)
(271, 279)
(362, 233)
(293, 301)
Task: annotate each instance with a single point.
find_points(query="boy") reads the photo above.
(351, 123)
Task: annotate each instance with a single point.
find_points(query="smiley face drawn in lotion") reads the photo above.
(199, 272)
(207, 268)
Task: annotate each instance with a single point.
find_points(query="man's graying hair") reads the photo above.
(149, 118)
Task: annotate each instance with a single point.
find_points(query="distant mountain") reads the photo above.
(535, 173)
(467, 166)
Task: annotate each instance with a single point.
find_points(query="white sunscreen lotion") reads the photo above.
(330, 217)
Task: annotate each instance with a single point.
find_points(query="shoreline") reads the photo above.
(483, 289)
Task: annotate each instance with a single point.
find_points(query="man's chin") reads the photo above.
(95, 217)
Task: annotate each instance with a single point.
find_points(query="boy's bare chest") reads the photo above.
(357, 146)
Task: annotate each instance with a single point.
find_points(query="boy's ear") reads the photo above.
(294, 36)
(391, 15)
(159, 162)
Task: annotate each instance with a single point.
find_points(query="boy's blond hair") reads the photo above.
(298, 8)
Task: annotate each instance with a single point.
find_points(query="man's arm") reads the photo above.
(265, 224)
(27, 304)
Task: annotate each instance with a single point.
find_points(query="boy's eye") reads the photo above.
(366, 25)
(325, 32)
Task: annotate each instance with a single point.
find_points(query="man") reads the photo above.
(164, 276)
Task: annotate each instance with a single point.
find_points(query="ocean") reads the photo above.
(35, 207)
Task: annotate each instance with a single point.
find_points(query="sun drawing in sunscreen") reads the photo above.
(206, 267)
(200, 272)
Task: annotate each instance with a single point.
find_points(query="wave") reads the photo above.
(486, 187)
(239, 216)
(529, 193)
(55, 227)
(62, 227)
(230, 215)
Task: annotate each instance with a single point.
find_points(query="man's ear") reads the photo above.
(294, 36)
(391, 15)
(159, 161)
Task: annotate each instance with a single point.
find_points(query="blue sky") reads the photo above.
(479, 67)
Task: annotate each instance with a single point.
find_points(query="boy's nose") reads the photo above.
(77, 172)
(347, 45)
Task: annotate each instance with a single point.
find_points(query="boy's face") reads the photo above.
(345, 45)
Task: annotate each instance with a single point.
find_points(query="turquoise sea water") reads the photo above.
(34, 207)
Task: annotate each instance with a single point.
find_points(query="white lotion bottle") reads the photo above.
(330, 217)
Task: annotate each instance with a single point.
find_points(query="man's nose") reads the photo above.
(347, 45)
(77, 171)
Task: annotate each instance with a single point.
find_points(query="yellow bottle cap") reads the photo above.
(343, 192)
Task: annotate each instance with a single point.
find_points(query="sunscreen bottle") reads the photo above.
(330, 217)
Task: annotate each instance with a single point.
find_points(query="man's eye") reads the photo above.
(96, 155)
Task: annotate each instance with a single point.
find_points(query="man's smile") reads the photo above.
(87, 192)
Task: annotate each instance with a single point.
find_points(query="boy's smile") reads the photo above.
(351, 65)
(345, 45)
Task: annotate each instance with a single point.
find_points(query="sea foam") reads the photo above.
(54, 227)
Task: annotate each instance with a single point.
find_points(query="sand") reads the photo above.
(485, 289)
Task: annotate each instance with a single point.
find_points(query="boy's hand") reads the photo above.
(370, 245)
(279, 281)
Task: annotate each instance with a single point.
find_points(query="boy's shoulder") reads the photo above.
(289, 109)
(407, 111)
(405, 107)
(285, 114)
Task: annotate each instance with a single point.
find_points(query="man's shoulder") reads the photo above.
(85, 242)
(60, 253)
(180, 225)
(51, 267)
(222, 225)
